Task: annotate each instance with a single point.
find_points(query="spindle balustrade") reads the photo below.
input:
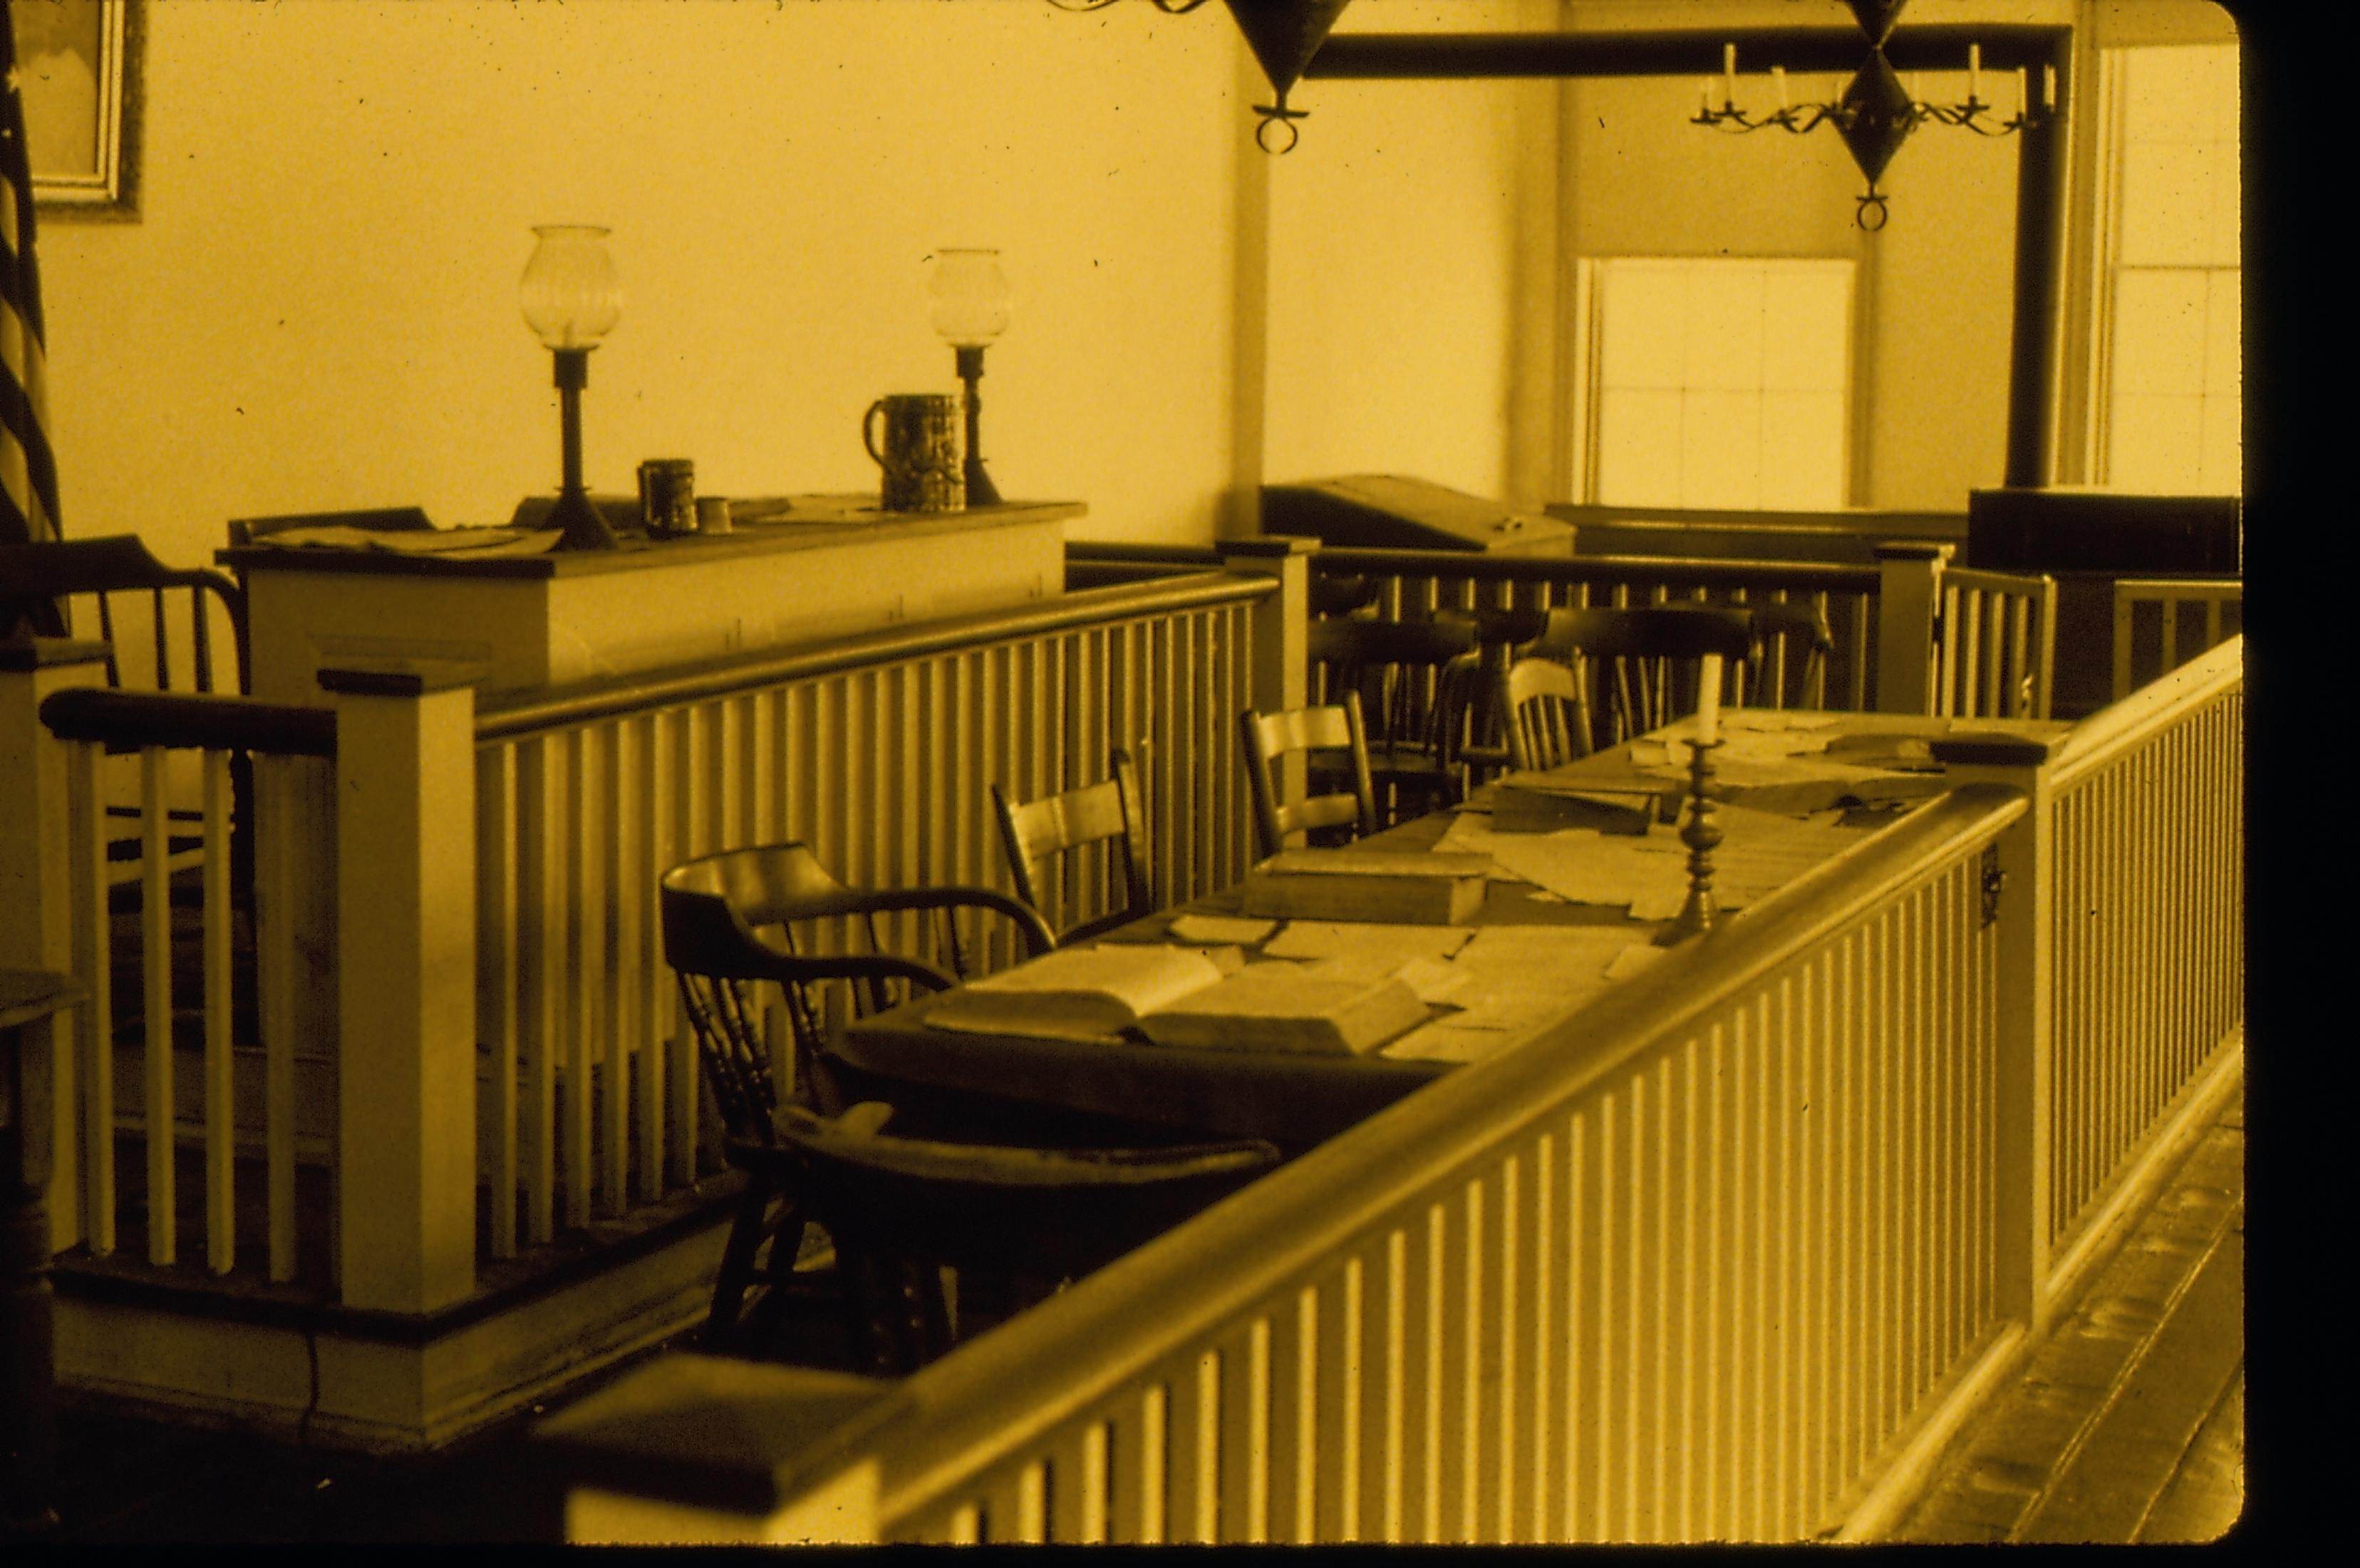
(1730, 1253)
(476, 967)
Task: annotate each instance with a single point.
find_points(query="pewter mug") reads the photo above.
(919, 451)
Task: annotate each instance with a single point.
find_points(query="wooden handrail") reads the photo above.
(2102, 737)
(999, 1392)
(512, 715)
(1795, 576)
(128, 721)
(2105, 734)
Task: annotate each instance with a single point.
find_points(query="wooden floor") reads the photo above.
(2129, 1425)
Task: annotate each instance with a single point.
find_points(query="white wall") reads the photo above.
(317, 307)
(1394, 286)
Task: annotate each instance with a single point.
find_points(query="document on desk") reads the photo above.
(1521, 978)
(1759, 852)
(1390, 945)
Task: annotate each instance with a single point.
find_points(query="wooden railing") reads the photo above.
(2142, 835)
(879, 752)
(1998, 642)
(477, 942)
(91, 722)
(2220, 603)
(1689, 1264)
(1729, 1254)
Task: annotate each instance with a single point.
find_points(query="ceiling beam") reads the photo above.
(1682, 52)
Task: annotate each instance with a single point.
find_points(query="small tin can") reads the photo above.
(668, 496)
(713, 514)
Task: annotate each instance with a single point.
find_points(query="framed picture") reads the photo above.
(78, 75)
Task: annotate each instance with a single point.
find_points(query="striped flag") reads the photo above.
(29, 478)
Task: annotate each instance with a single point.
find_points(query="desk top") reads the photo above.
(1566, 916)
(762, 526)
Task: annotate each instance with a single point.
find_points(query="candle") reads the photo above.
(1778, 78)
(1707, 725)
(1704, 98)
(1974, 70)
(2047, 87)
(1729, 72)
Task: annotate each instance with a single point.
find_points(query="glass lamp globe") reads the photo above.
(971, 297)
(570, 295)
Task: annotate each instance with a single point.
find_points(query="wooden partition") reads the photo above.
(2153, 630)
(185, 978)
(504, 1019)
(879, 752)
(2140, 852)
(1729, 1254)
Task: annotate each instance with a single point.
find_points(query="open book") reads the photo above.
(1093, 991)
(1390, 887)
(1287, 1008)
(1179, 997)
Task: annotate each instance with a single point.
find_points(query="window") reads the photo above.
(1712, 383)
(2171, 396)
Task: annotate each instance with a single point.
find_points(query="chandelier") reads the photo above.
(1283, 35)
(1875, 112)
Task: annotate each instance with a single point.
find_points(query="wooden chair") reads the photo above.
(105, 571)
(1098, 822)
(1787, 665)
(1544, 716)
(1010, 1221)
(95, 577)
(1329, 817)
(1341, 596)
(746, 919)
(1412, 697)
(1639, 667)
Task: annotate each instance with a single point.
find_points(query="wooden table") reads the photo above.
(1299, 1100)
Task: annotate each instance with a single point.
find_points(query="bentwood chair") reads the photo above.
(1010, 1224)
(1080, 847)
(741, 923)
(1406, 675)
(1331, 816)
(1639, 668)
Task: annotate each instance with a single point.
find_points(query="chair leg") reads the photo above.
(748, 1231)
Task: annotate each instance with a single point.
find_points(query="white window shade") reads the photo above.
(1717, 383)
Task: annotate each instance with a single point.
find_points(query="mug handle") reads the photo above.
(868, 432)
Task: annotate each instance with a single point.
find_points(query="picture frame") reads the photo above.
(77, 78)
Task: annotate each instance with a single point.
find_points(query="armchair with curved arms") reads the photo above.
(749, 917)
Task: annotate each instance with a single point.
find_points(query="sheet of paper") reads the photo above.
(1389, 945)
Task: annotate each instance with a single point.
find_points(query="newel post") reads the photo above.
(1909, 593)
(406, 983)
(36, 898)
(2023, 899)
(1282, 623)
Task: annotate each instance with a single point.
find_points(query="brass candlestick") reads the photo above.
(1697, 914)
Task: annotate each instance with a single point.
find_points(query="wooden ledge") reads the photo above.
(401, 677)
(23, 655)
(707, 1432)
